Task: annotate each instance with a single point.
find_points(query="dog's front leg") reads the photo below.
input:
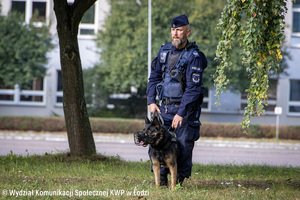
(156, 171)
(173, 171)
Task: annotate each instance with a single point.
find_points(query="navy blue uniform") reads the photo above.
(187, 105)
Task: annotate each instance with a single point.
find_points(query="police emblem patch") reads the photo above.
(196, 78)
(196, 54)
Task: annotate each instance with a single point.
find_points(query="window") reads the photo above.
(35, 10)
(39, 11)
(294, 99)
(18, 6)
(88, 26)
(205, 104)
(28, 93)
(37, 85)
(89, 16)
(32, 93)
(59, 81)
(296, 18)
(59, 90)
(6, 93)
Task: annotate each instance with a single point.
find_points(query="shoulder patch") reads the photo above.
(196, 78)
(196, 54)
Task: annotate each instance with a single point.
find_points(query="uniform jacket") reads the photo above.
(194, 66)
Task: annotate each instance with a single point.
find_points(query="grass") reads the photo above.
(37, 176)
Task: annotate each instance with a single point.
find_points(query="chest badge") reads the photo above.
(163, 56)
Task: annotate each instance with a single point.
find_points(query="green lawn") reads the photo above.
(98, 177)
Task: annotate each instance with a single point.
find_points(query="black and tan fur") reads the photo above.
(163, 147)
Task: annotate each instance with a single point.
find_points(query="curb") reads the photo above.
(128, 138)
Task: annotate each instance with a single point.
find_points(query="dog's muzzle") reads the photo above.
(140, 138)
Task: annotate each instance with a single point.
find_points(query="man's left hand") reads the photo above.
(177, 120)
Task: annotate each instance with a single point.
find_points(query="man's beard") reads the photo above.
(178, 43)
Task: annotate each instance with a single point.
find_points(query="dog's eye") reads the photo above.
(153, 129)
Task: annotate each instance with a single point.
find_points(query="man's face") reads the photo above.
(179, 35)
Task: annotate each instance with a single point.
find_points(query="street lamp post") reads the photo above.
(149, 47)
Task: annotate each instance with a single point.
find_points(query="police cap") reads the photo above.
(178, 21)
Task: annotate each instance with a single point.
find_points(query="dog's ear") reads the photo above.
(155, 114)
(147, 121)
(159, 118)
(156, 122)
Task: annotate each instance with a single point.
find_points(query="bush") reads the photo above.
(32, 123)
(115, 125)
(254, 131)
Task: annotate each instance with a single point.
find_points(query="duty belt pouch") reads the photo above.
(173, 90)
(160, 90)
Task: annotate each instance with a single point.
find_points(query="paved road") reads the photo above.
(205, 151)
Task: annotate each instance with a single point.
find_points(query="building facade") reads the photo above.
(45, 96)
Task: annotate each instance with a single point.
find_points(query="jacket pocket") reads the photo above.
(192, 132)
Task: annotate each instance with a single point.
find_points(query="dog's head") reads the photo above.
(151, 133)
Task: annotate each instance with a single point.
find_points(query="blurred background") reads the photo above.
(113, 42)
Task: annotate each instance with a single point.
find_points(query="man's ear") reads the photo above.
(188, 32)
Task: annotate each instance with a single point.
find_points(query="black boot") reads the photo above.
(180, 180)
(164, 180)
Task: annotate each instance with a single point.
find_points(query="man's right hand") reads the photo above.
(153, 107)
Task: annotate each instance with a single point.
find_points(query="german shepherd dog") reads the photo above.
(163, 147)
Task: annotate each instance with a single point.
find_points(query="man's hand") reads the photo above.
(177, 120)
(153, 107)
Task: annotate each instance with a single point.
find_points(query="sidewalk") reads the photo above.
(128, 138)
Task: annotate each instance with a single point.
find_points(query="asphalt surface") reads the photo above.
(206, 151)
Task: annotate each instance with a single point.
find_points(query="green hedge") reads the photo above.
(100, 125)
(254, 131)
(107, 125)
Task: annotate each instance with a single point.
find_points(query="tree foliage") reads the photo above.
(123, 45)
(23, 49)
(123, 41)
(258, 26)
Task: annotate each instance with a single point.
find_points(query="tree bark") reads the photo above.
(80, 137)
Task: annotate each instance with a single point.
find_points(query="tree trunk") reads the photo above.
(81, 141)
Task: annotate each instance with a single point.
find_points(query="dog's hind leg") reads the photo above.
(156, 171)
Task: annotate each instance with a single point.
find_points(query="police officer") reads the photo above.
(176, 79)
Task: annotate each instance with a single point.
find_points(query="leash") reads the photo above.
(172, 131)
